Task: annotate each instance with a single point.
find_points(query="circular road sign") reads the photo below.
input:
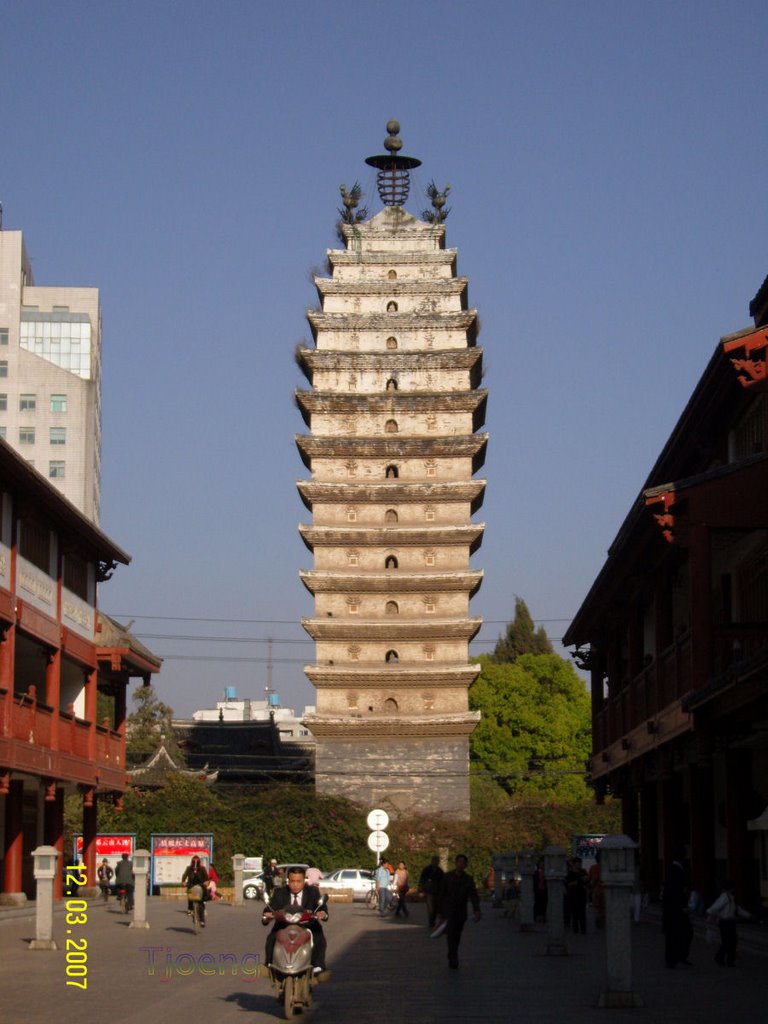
(377, 819)
(378, 841)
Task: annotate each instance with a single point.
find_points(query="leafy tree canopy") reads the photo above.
(521, 637)
(534, 734)
(149, 724)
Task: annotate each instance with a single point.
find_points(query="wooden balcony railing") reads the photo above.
(23, 718)
(670, 677)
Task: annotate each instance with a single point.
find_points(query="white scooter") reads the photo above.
(290, 971)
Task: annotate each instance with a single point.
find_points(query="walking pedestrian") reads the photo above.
(678, 931)
(576, 885)
(382, 877)
(401, 888)
(724, 912)
(456, 890)
(430, 881)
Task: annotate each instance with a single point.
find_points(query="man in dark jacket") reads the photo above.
(456, 888)
(678, 931)
(124, 878)
(297, 894)
(429, 884)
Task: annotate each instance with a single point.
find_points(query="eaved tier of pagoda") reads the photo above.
(393, 409)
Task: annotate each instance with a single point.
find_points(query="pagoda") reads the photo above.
(393, 410)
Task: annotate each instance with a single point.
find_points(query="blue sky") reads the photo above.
(607, 163)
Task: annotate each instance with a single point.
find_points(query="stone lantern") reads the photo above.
(45, 861)
(141, 871)
(617, 873)
(554, 872)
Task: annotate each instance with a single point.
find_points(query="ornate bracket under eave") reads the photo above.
(673, 527)
(754, 362)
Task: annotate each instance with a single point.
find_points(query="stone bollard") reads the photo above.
(238, 863)
(45, 860)
(554, 872)
(617, 869)
(140, 873)
(526, 867)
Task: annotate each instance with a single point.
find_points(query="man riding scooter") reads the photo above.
(297, 894)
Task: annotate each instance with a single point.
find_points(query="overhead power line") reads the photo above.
(271, 622)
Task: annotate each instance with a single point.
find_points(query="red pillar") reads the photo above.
(738, 789)
(53, 824)
(121, 711)
(90, 711)
(670, 801)
(53, 693)
(701, 605)
(650, 874)
(663, 638)
(7, 659)
(630, 812)
(90, 827)
(14, 837)
(596, 688)
(702, 805)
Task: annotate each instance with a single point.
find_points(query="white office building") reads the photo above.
(50, 377)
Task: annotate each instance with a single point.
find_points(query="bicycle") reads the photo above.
(195, 897)
(125, 899)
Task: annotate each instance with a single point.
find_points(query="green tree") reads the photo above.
(521, 637)
(149, 724)
(534, 734)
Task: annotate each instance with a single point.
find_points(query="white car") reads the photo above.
(253, 887)
(352, 880)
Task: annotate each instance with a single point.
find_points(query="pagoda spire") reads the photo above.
(393, 180)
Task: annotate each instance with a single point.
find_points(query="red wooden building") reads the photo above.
(674, 633)
(53, 667)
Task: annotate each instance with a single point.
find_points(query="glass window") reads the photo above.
(3, 335)
(2, 432)
(58, 403)
(56, 470)
(65, 344)
(3, 403)
(27, 403)
(58, 435)
(3, 367)
(26, 435)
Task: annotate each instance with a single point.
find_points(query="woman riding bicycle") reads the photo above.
(195, 874)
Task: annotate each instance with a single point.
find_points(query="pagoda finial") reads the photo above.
(393, 179)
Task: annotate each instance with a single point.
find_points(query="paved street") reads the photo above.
(383, 971)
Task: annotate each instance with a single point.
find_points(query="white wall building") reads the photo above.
(50, 377)
(235, 709)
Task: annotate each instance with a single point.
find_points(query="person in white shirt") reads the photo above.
(725, 911)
